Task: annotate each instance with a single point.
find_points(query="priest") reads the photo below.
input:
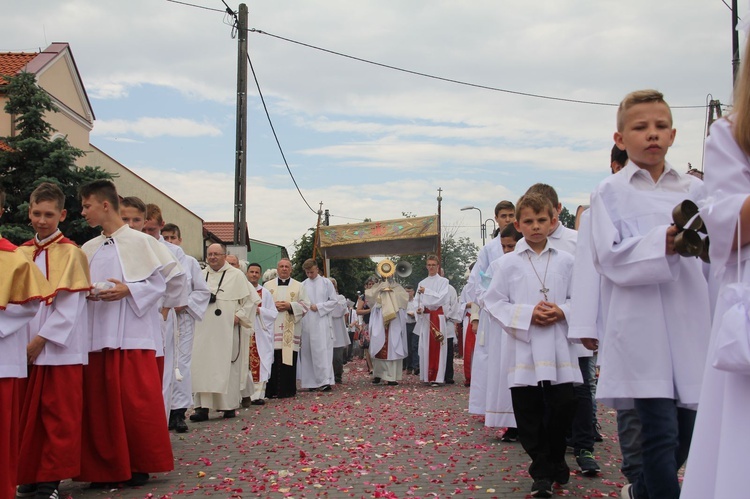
(221, 350)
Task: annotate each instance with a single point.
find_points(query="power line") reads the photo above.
(449, 80)
(197, 6)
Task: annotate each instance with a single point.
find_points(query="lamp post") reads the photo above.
(482, 227)
(494, 225)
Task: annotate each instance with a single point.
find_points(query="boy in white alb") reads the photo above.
(58, 348)
(655, 303)
(124, 437)
(531, 302)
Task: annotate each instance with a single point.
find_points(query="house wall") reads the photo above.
(130, 184)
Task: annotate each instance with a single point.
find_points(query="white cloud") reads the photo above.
(156, 127)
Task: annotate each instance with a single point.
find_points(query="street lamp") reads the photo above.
(482, 227)
(494, 225)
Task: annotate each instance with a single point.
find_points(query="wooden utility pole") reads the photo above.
(240, 171)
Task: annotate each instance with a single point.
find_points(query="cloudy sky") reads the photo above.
(369, 141)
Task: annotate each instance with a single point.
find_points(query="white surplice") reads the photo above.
(437, 293)
(655, 306)
(340, 335)
(262, 334)
(498, 404)
(716, 466)
(221, 349)
(315, 362)
(481, 382)
(198, 296)
(537, 353)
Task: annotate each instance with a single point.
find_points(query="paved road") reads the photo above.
(359, 440)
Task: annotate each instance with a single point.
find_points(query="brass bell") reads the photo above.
(688, 243)
(684, 216)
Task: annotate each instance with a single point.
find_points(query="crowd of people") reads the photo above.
(94, 341)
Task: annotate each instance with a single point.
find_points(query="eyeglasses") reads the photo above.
(216, 254)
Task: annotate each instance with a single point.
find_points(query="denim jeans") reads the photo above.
(666, 433)
(629, 435)
(413, 342)
(582, 436)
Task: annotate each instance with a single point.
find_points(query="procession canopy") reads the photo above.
(404, 236)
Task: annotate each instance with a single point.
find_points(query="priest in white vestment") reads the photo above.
(221, 350)
(315, 366)
(261, 341)
(388, 342)
(291, 302)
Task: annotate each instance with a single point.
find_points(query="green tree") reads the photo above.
(34, 159)
(350, 274)
(567, 218)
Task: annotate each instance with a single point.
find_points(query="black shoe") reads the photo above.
(258, 402)
(562, 474)
(450, 382)
(181, 426)
(325, 388)
(137, 479)
(339, 381)
(26, 490)
(541, 488)
(199, 415)
(586, 463)
(47, 490)
(510, 435)
(246, 401)
(416, 372)
(229, 414)
(375, 381)
(393, 383)
(172, 420)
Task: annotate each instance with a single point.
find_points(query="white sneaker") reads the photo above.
(627, 492)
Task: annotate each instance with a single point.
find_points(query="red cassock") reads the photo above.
(123, 430)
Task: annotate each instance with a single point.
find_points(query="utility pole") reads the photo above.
(240, 172)
(735, 44)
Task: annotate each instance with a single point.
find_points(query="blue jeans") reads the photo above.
(413, 341)
(629, 435)
(582, 436)
(666, 433)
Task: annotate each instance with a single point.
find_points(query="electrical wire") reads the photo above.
(449, 80)
(196, 6)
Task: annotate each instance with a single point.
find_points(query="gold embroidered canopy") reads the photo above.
(404, 236)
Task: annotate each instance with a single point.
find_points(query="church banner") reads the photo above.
(403, 236)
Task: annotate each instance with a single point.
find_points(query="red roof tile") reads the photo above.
(11, 63)
(5, 147)
(222, 230)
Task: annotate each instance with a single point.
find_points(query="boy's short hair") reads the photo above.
(504, 205)
(103, 190)
(639, 97)
(133, 202)
(619, 156)
(434, 258)
(545, 190)
(153, 212)
(537, 202)
(511, 231)
(172, 228)
(309, 263)
(47, 191)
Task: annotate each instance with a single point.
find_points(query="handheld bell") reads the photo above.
(685, 216)
(688, 243)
